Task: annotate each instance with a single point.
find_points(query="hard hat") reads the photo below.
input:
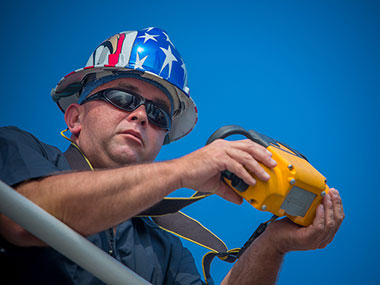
(147, 54)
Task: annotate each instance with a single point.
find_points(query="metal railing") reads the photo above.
(65, 240)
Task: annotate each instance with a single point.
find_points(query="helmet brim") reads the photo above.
(185, 113)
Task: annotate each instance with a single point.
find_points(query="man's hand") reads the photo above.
(287, 236)
(201, 169)
(261, 262)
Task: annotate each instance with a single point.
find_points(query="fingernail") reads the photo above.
(334, 193)
(266, 175)
(273, 162)
(268, 152)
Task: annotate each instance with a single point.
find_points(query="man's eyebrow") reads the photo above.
(135, 89)
(129, 87)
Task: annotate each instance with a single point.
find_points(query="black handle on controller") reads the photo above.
(229, 130)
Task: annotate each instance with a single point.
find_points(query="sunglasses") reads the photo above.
(129, 101)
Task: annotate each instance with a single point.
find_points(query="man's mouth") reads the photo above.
(136, 135)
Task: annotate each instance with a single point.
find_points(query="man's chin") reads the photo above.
(126, 157)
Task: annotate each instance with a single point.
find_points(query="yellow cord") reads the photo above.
(193, 197)
(189, 198)
(77, 147)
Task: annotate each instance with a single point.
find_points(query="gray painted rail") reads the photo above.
(68, 242)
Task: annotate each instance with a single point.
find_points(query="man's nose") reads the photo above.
(138, 115)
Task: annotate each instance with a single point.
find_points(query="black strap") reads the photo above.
(172, 205)
(166, 213)
(76, 159)
(260, 229)
(164, 207)
(209, 257)
(190, 229)
(233, 254)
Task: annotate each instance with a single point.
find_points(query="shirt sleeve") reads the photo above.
(23, 157)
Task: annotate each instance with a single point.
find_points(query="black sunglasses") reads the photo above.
(128, 101)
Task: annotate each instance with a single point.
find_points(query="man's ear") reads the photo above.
(73, 117)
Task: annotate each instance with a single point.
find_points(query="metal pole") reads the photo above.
(62, 238)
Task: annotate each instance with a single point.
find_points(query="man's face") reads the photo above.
(111, 137)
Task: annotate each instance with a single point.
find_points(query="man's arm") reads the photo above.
(93, 201)
(261, 262)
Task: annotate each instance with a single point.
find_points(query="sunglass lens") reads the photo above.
(158, 117)
(130, 102)
(122, 99)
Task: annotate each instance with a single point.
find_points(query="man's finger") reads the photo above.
(245, 159)
(338, 215)
(330, 223)
(257, 151)
(239, 170)
(338, 206)
(318, 225)
(228, 194)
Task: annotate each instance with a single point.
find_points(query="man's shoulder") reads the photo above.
(13, 132)
(24, 157)
(16, 136)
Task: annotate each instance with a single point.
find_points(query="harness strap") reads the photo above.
(166, 213)
(170, 205)
(228, 256)
(188, 228)
(166, 206)
(75, 159)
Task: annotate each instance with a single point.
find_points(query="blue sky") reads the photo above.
(304, 72)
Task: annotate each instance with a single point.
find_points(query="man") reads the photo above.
(129, 100)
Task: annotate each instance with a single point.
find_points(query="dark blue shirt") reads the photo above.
(140, 244)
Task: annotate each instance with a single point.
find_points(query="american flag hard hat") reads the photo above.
(148, 54)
